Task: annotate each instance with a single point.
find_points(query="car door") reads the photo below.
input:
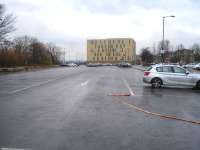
(166, 74)
(180, 77)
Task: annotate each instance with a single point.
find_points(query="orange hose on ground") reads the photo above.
(160, 115)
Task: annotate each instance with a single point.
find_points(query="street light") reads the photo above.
(163, 40)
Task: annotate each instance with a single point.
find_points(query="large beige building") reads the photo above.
(113, 50)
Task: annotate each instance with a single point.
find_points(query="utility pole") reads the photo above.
(163, 36)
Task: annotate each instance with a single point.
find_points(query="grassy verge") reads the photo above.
(25, 68)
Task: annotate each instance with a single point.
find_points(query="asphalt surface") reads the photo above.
(71, 109)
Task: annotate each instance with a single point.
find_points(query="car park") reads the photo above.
(170, 75)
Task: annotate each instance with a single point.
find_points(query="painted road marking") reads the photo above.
(128, 87)
(84, 83)
(32, 86)
(13, 149)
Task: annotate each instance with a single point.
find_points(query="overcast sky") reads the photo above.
(69, 23)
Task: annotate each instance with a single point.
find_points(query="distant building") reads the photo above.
(184, 56)
(113, 50)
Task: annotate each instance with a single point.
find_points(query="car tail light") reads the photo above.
(146, 73)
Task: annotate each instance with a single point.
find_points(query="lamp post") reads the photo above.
(163, 38)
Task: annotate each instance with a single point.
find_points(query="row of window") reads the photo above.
(109, 41)
(108, 50)
(110, 54)
(110, 58)
(109, 46)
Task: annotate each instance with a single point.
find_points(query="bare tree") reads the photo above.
(164, 46)
(22, 48)
(146, 56)
(180, 47)
(196, 49)
(7, 22)
(178, 51)
(54, 52)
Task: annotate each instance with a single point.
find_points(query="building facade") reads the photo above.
(183, 56)
(113, 51)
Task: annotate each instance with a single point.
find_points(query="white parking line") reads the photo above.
(128, 87)
(84, 83)
(12, 149)
(35, 85)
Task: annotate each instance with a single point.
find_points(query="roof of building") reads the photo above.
(113, 39)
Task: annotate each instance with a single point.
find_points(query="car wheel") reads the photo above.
(156, 83)
(198, 85)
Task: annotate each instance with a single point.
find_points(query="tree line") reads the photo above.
(153, 54)
(24, 50)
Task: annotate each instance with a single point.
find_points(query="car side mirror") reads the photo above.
(187, 72)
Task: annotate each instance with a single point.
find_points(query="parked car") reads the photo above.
(94, 64)
(197, 66)
(190, 65)
(171, 75)
(63, 65)
(107, 64)
(69, 65)
(72, 65)
(126, 65)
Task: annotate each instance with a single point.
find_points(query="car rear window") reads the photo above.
(149, 68)
(159, 69)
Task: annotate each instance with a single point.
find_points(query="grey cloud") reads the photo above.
(19, 6)
(186, 11)
(124, 6)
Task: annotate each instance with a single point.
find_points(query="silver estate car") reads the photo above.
(171, 75)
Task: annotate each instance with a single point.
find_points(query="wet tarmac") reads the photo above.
(71, 108)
